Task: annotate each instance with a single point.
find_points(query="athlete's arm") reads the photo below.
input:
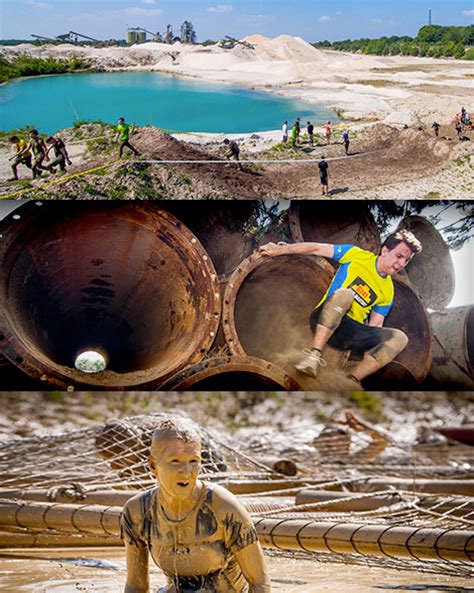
(137, 569)
(252, 563)
(376, 319)
(307, 248)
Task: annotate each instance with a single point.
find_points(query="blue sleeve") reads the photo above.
(383, 309)
(340, 250)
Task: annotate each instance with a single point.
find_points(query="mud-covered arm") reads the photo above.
(252, 563)
(137, 569)
(306, 248)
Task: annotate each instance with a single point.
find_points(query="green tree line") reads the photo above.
(25, 65)
(432, 41)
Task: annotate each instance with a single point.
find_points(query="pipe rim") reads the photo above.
(231, 290)
(214, 366)
(22, 356)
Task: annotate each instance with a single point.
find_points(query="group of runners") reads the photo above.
(294, 134)
(35, 152)
(461, 121)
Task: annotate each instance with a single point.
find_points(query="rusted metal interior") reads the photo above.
(266, 311)
(267, 304)
(224, 229)
(243, 373)
(324, 222)
(129, 281)
(453, 348)
(432, 271)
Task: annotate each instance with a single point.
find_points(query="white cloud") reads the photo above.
(324, 19)
(149, 1)
(35, 4)
(376, 21)
(468, 12)
(222, 8)
(339, 13)
(143, 11)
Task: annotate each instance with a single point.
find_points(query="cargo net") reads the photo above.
(358, 477)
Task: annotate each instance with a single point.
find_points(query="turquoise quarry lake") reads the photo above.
(147, 98)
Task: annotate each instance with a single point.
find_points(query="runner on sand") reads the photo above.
(346, 141)
(123, 134)
(328, 132)
(351, 314)
(284, 131)
(233, 152)
(197, 532)
(310, 130)
(324, 175)
(60, 153)
(294, 136)
(39, 150)
(22, 156)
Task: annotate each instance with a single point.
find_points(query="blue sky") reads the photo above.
(311, 19)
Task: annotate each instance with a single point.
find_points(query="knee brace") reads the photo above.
(336, 306)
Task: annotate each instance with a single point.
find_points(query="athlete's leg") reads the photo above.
(332, 312)
(392, 342)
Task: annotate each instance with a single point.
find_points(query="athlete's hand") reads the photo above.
(272, 249)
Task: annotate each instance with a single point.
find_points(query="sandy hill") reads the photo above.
(284, 47)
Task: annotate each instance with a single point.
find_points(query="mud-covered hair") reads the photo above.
(181, 429)
(402, 236)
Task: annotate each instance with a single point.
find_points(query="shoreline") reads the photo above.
(400, 90)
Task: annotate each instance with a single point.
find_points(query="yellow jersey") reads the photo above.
(358, 272)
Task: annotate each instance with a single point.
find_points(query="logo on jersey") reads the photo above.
(364, 295)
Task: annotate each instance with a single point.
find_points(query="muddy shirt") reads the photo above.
(196, 553)
(58, 147)
(358, 271)
(37, 146)
(21, 145)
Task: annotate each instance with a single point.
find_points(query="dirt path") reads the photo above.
(383, 162)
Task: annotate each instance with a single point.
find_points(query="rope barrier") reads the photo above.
(185, 162)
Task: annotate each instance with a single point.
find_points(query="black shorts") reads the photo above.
(352, 335)
(23, 160)
(324, 179)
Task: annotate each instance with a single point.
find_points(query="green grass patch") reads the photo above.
(26, 65)
(368, 403)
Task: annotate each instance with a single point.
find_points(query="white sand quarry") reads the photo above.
(400, 90)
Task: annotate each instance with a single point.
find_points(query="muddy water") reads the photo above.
(103, 571)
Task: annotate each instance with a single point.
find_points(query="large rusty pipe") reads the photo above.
(239, 373)
(345, 501)
(453, 348)
(126, 280)
(412, 364)
(440, 486)
(225, 228)
(436, 289)
(268, 301)
(330, 222)
(283, 534)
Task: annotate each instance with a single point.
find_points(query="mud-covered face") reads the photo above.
(176, 465)
(391, 261)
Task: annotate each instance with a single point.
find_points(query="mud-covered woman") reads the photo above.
(198, 533)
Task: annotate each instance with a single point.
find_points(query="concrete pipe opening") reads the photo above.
(330, 223)
(267, 304)
(127, 281)
(436, 289)
(236, 373)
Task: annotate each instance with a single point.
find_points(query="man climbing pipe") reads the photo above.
(351, 314)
